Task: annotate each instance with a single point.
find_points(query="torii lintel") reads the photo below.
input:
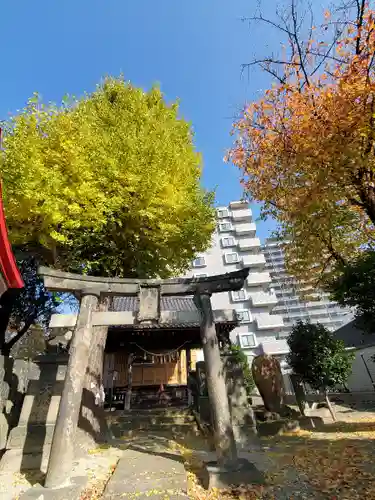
(55, 280)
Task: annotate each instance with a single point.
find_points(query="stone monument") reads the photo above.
(242, 416)
(268, 378)
(243, 419)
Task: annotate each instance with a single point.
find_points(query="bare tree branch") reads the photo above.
(325, 57)
(290, 24)
(297, 42)
(267, 21)
(272, 72)
(361, 4)
(270, 61)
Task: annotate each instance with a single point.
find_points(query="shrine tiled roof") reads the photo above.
(171, 304)
(166, 304)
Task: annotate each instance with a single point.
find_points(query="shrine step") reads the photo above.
(157, 411)
(120, 428)
(171, 431)
(152, 421)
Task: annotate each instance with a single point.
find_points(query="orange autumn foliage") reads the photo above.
(306, 149)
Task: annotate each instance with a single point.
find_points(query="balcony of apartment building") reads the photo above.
(274, 259)
(284, 280)
(257, 278)
(327, 320)
(248, 243)
(317, 315)
(237, 210)
(266, 321)
(241, 213)
(242, 244)
(276, 346)
(239, 204)
(301, 314)
(259, 299)
(278, 269)
(254, 260)
(322, 303)
(245, 228)
(292, 304)
(231, 256)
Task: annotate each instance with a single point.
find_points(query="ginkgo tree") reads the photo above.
(107, 184)
(306, 148)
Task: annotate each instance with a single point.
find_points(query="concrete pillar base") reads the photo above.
(242, 473)
(4, 429)
(72, 491)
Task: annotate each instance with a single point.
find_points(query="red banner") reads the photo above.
(11, 276)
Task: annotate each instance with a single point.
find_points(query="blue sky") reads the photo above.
(194, 50)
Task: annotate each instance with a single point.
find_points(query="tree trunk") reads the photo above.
(225, 443)
(93, 427)
(367, 197)
(330, 407)
(299, 392)
(64, 436)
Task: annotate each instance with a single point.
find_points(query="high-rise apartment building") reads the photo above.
(234, 246)
(290, 306)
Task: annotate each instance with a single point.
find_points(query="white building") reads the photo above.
(235, 246)
(290, 306)
(362, 378)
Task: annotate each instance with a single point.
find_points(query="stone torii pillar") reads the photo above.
(62, 449)
(225, 444)
(229, 469)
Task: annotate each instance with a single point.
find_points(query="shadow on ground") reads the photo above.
(184, 448)
(336, 460)
(324, 461)
(330, 461)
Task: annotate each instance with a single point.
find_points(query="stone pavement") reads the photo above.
(96, 466)
(138, 475)
(149, 468)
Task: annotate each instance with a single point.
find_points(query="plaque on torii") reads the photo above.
(89, 289)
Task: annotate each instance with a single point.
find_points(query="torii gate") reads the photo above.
(90, 290)
(10, 276)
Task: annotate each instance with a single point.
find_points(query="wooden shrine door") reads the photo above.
(173, 373)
